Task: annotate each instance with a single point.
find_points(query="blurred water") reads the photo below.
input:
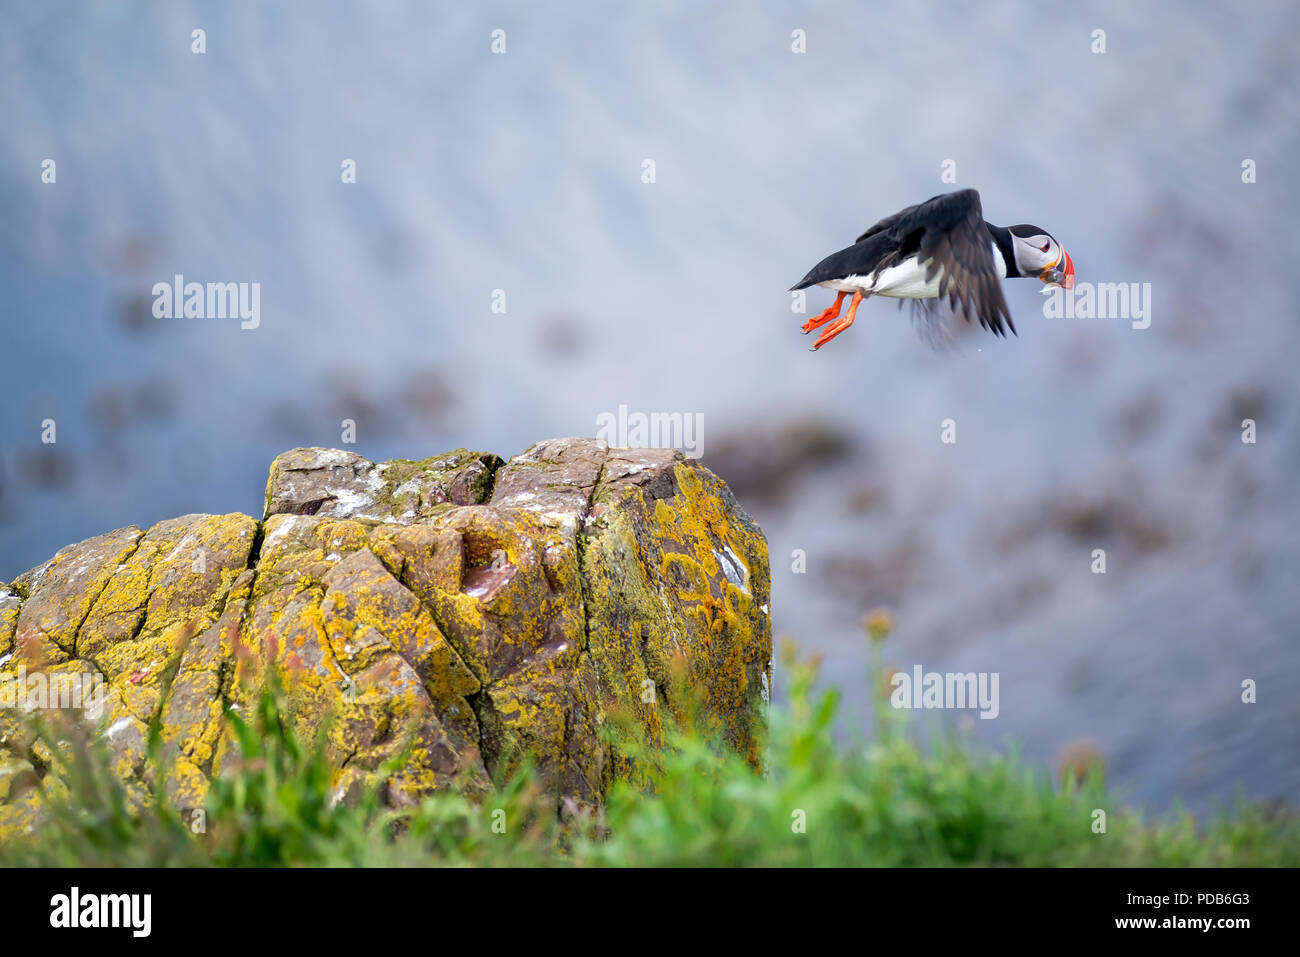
(522, 172)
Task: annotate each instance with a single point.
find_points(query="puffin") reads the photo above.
(942, 255)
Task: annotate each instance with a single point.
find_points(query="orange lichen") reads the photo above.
(595, 585)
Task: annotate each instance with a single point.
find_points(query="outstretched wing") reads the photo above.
(948, 234)
(889, 222)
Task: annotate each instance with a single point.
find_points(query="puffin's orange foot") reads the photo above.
(839, 326)
(829, 313)
(831, 333)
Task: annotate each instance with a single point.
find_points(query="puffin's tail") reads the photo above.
(806, 281)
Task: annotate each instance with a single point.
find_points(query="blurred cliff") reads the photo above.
(523, 172)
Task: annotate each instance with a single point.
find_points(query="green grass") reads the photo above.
(888, 802)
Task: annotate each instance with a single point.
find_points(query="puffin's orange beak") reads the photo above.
(1059, 273)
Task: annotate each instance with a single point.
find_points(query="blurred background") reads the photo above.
(522, 172)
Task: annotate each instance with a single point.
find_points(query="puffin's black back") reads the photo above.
(896, 237)
(860, 259)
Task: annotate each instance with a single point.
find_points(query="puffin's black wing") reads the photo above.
(889, 222)
(861, 259)
(948, 232)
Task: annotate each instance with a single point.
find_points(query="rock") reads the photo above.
(458, 610)
(334, 484)
(15, 774)
(10, 603)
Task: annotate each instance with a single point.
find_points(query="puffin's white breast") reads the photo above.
(904, 281)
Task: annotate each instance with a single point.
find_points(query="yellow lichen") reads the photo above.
(466, 639)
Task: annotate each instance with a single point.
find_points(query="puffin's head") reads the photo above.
(1039, 254)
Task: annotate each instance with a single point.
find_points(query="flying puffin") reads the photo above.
(938, 250)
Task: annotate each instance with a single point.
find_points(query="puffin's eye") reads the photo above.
(1046, 246)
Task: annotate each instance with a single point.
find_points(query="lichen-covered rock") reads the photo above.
(459, 612)
(10, 603)
(335, 484)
